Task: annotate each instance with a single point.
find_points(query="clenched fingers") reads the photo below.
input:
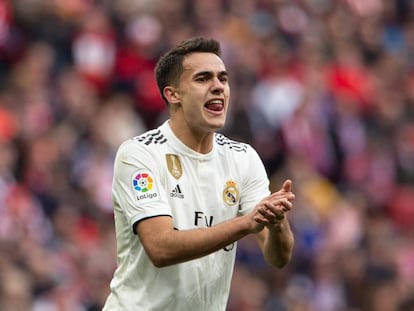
(271, 212)
(282, 195)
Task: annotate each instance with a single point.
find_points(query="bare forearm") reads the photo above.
(191, 244)
(168, 247)
(278, 244)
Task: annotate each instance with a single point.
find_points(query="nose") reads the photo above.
(218, 86)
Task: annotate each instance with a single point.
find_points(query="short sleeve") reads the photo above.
(137, 188)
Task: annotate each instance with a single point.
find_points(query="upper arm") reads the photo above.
(152, 232)
(151, 228)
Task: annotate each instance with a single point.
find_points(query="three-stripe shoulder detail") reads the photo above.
(152, 137)
(222, 140)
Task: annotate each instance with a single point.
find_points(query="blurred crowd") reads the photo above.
(323, 89)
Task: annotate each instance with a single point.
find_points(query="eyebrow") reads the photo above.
(210, 73)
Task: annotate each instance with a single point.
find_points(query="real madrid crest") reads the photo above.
(174, 165)
(231, 193)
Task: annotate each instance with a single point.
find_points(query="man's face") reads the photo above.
(204, 92)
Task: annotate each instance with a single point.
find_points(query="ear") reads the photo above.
(171, 95)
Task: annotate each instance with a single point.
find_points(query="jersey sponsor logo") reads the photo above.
(201, 219)
(231, 193)
(144, 187)
(174, 165)
(177, 193)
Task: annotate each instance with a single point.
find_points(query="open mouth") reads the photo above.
(216, 105)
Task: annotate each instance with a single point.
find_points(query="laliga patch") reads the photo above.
(231, 193)
(144, 187)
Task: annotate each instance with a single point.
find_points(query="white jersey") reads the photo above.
(156, 174)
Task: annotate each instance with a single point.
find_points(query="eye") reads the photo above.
(201, 79)
(224, 79)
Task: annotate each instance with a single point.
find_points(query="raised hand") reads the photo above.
(272, 209)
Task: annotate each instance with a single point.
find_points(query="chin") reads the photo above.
(218, 121)
(214, 122)
(217, 125)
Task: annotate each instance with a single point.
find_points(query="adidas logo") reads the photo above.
(176, 192)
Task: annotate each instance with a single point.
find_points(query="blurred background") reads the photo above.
(323, 89)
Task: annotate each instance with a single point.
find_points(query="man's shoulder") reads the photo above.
(226, 143)
(151, 137)
(150, 141)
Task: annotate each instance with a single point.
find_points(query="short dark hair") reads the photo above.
(170, 66)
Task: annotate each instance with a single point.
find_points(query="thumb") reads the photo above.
(287, 185)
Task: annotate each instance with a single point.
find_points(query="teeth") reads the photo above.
(215, 101)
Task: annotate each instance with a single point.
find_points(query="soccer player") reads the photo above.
(184, 194)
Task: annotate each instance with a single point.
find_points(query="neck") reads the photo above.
(201, 142)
